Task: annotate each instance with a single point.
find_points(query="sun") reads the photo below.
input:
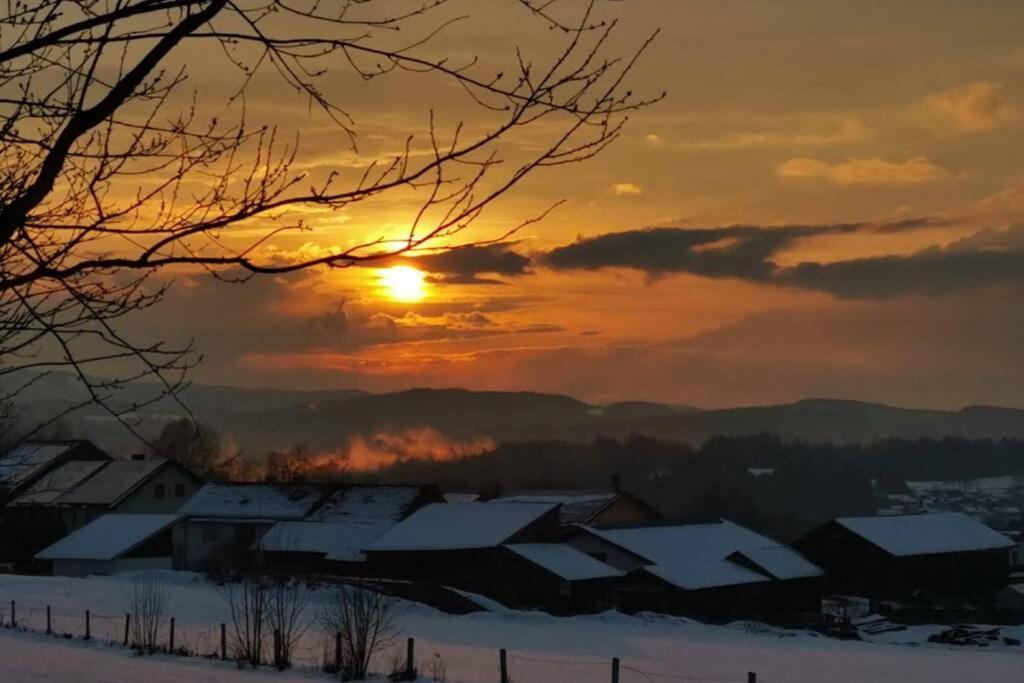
(404, 283)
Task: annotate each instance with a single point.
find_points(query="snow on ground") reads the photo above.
(542, 649)
(26, 658)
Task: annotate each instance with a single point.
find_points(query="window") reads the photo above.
(158, 491)
(179, 490)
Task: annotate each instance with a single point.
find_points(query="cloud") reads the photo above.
(739, 251)
(625, 189)
(864, 171)
(465, 265)
(748, 253)
(842, 132)
(974, 107)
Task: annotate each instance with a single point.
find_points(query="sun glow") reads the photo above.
(404, 283)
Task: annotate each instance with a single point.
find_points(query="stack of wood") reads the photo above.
(962, 634)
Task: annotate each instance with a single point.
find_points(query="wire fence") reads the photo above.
(316, 650)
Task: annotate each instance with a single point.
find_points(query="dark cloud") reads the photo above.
(741, 251)
(465, 265)
(932, 271)
(748, 252)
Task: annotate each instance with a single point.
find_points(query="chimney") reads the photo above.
(138, 456)
(616, 483)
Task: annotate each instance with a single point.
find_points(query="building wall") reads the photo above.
(625, 510)
(86, 567)
(216, 546)
(172, 481)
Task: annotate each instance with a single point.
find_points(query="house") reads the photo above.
(947, 552)
(332, 538)
(221, 522)
(23, 465)
(593, 508)
(113, 543)
(464, 546)
(33, 476)
(139, 485)
(711, 570)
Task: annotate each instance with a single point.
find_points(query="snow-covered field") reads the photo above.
(542, 649)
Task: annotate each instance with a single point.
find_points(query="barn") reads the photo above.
(138, 485)
(589, 507)
(947, 553)
(506, 551)
(111, 544)
(221, 523)
(716, 570)
(332, 538)
(33, 477)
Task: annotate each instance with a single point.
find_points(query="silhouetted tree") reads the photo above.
(109, 172)
(194, 445)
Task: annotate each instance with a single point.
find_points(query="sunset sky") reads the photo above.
(828, 203)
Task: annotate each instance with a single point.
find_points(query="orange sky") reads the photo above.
(901, 121)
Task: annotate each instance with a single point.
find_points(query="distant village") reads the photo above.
(71, 509)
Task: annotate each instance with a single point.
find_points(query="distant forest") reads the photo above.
(812, 482)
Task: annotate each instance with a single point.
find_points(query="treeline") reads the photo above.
(810, 483)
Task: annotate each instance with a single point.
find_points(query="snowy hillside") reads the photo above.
(542, 649)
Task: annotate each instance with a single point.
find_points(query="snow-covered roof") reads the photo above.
(252, 501)
(367, 504)
(115, 481)
(339, 541)
(54, 484)
(25, 461)
(578, 507)
(695, 556)
(564, 561)
(928, 534)
(442, 526)
(107, 538)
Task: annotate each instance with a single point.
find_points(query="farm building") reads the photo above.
(332, 538)
(139, 485)
(946, 552)
(713, 570)
(221, 522)
(35, 476)
(589, 507)
(558, 578)
(113, 543)
(503, 550)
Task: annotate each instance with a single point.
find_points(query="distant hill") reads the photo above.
(262, 419)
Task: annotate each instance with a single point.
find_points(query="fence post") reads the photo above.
(277, 649)
(171, 648)
(127, 625)
(88, 626)
(49, 629)
(615, 670)
(410, 657)
(337, 651)
(223, 641)
(14, 616)
(504, 665)
(751, 677)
